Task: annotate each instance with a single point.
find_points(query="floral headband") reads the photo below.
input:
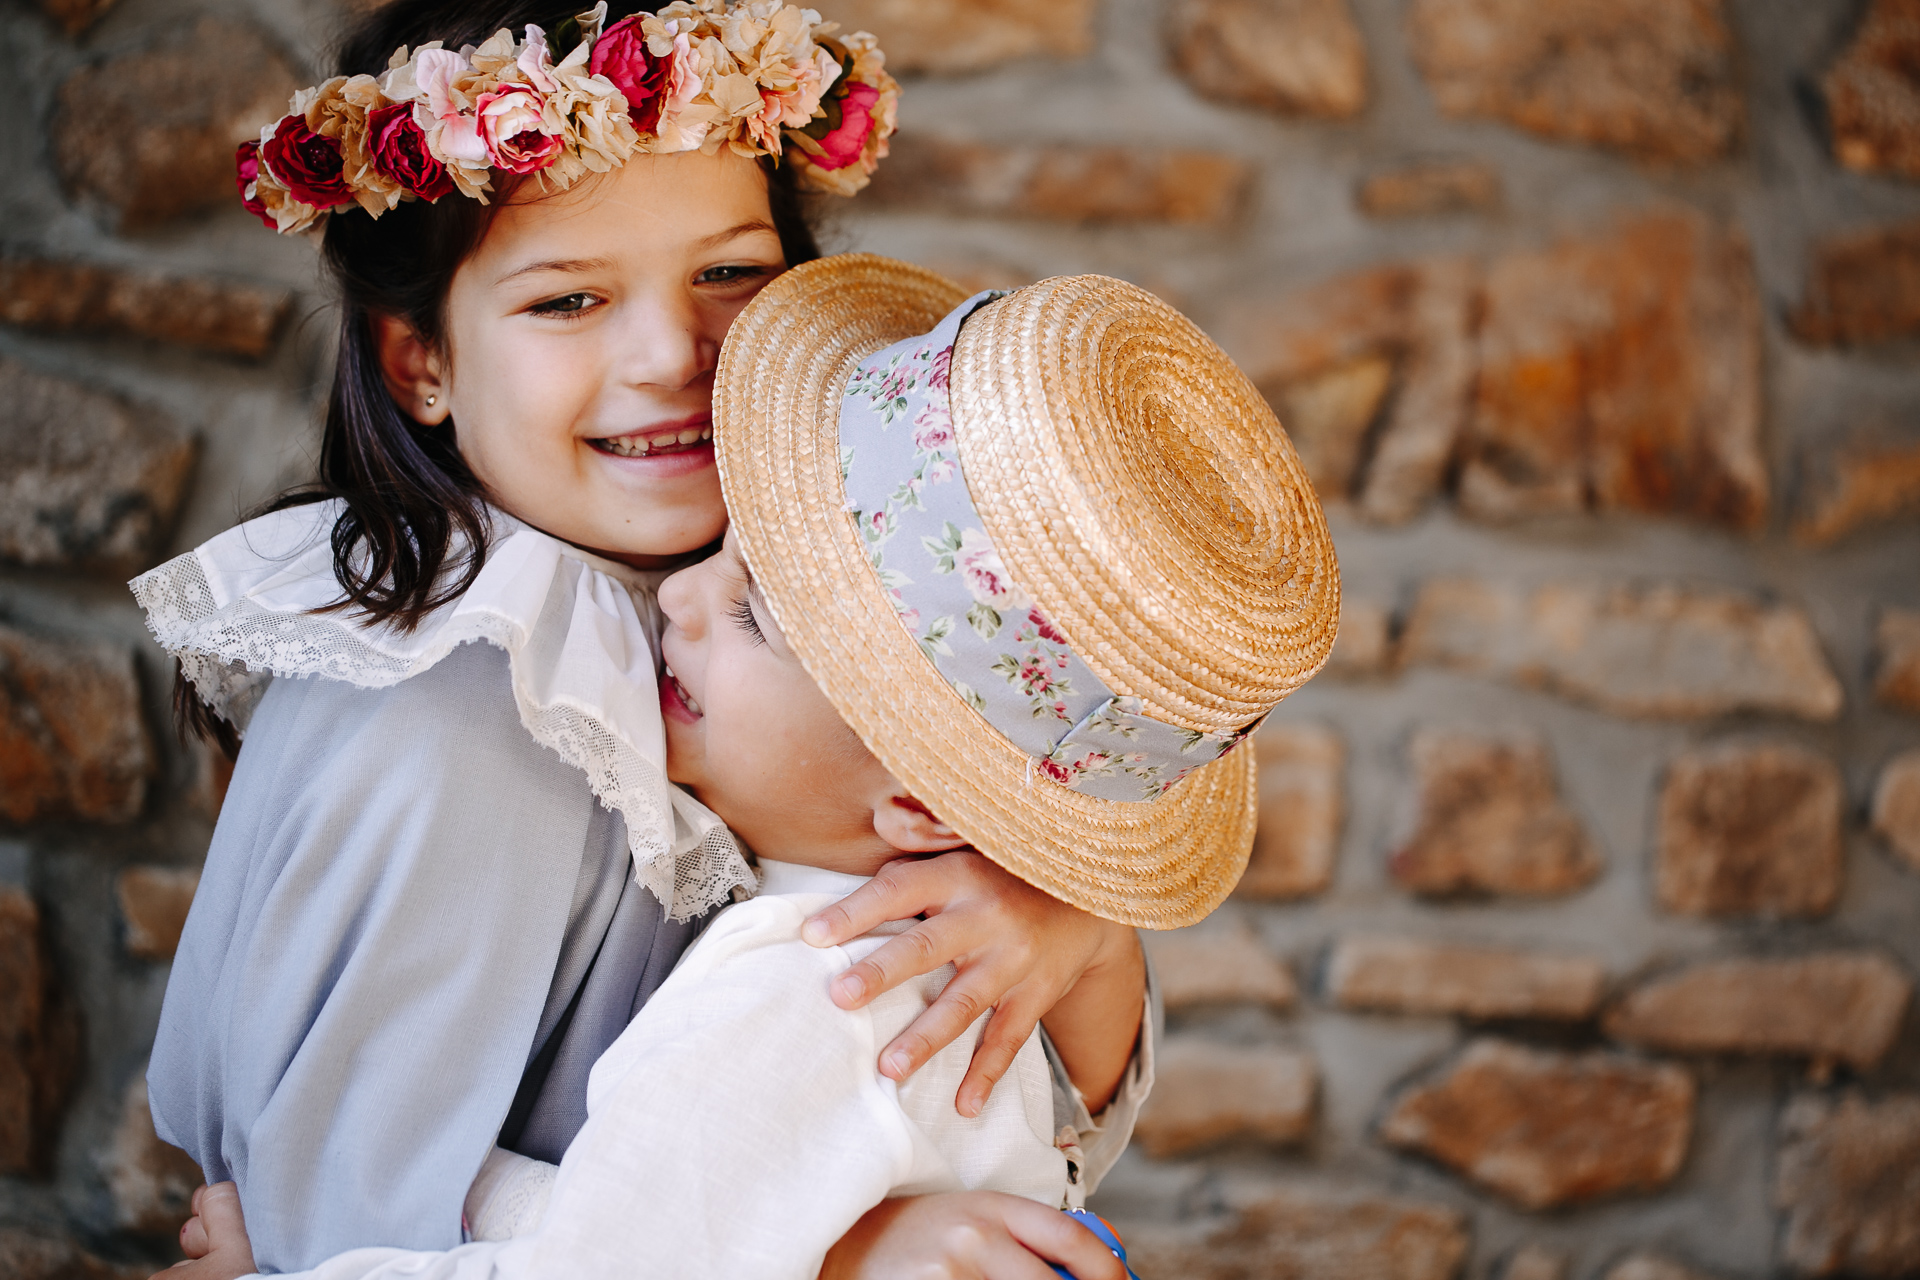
(760, 77)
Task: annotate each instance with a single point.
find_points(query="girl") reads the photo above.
(417, 929)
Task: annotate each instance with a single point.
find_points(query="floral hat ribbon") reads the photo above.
(760, 77)
(981, 631)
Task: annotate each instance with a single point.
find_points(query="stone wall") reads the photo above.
(1581, 935)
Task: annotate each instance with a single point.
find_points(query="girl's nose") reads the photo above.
(668, 348)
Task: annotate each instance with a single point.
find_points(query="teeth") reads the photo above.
(639, 446)
(682, 691)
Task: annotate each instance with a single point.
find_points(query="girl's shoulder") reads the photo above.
(256, 603)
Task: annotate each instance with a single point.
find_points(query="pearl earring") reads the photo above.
(432, 401)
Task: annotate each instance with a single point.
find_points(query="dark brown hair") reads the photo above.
(410, 535)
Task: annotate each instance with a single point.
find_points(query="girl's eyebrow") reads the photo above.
(736, 231)
(557, 264)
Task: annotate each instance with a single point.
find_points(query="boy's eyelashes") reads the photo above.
(742, 612)
(569, 306)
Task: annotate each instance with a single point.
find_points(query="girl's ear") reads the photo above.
(411, 370)
(904, 823)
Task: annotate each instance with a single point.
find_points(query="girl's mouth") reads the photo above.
(675, 701)
(658, 441)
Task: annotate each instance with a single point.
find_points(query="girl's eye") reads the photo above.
(567, 308)
(742, 612)
(731, 275)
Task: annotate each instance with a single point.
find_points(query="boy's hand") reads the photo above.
(968, 1235)
(214, 1238)
(1018, 951)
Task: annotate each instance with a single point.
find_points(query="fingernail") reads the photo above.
(850, 987)
(815, 933)
(895, 1065)
(970, 1108)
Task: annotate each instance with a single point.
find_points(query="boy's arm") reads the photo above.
(1096, 1026)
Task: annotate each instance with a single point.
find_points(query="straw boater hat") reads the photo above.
(1051, 566)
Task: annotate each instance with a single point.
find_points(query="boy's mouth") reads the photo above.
(675, 698)
(657, 441)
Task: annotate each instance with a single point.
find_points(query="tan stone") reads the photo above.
(38, 1043)
(1873, 93)
(35, 1255)
(950, 37)
(1849, 1180)
(1866, 485)
(1750, 830)
(1432, 187)
(59, 296)
(1218, 962)
(151, 134)
(1309, 1235)
(1548, 1129)
(1329, 415)
(1667, 652)
(1065, 183)
(1302, 806)
(1896, 807)
(1536, 1262)
(1862, 287)
(1318, 353)
(1364, 648)
(1651, 78)
(1650, 1266)
(1620, 373)
(1897, 678)
(75, 16)
(154, 903)
(152, 1183)
(1841, 1006)
(72, 743)
(86, 481)
(1205, 1093)
(1400, 975)
(1491, 821)
(1298, 57)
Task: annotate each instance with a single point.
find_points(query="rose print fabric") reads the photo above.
(979, 629)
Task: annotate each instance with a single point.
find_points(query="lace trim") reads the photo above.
(231, 653)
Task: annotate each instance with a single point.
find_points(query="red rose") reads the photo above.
(246, 167)
(621, 56)
(399, 150)
(306, 164)
(843, 145)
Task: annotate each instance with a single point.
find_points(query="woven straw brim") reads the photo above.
(777, 398)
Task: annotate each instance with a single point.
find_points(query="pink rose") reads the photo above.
(510, 121)
(399, 150)
(844, 145)
(940, 470)
(246, 166)
(1053, 771)
(933, 429)
(1045, 629)
(621, 55)
(986, 575)
(942, 366)
(306, 164)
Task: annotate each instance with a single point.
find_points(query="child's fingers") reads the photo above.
(972, 993)
(1058, 1238)
(922, 949)
(1012, 1022)
(900, 890)
(193, 1237)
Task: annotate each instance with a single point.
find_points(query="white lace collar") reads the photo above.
(577, 631)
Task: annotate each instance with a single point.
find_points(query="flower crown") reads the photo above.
(760, 77)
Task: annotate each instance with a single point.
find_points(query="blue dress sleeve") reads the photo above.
(397, 904)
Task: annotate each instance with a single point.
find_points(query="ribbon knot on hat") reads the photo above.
(1048, 553)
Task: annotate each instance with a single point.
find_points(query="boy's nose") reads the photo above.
(680, 601)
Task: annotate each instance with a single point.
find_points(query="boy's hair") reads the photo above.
(408, 497)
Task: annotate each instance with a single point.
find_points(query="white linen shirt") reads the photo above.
(739, 1127)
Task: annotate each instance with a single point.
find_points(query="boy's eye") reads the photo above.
(731, 274)
(742, 612)
(573, 304)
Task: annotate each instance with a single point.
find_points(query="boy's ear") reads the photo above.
(411, 370)
(904, 823)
